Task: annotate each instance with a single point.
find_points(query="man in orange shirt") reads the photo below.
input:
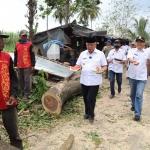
(24, 59)
(8, 95)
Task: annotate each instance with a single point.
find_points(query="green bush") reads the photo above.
(11, 41)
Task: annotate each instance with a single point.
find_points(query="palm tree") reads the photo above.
(59, 14)
(88, 9)
(84, 11)
(140, 29)
(95, 11)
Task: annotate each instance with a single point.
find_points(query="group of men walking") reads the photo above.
(135, 57)
(93, 61)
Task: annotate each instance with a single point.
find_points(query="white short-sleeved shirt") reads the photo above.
(89, 62)
(116, 66)
(124, 48)
(138, 72)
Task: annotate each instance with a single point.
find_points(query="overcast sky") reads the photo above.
(12, 15)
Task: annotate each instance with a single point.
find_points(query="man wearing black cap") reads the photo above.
(137, 73)
(8, 95)
(93, 63)
(116, 58)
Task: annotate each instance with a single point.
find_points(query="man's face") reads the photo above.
(117, 44)
(133, 46)
(2, 43)
(140, 44)
(91, 47)
(23, 37)
(108, 43)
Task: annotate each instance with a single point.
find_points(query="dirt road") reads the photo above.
(113, 128)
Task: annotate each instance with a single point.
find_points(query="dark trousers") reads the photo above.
(89, 96)
(112, 81)
(25, 80)
(107, 74)
(10, 120)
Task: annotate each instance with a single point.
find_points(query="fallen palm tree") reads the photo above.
(56, 96)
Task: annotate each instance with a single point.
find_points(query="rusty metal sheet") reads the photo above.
(50, 67)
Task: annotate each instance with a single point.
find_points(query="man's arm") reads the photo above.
(13, 80)
(32, 55)
(15, 57)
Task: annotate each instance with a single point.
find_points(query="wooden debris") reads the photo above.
(56, 96)
(68, 143)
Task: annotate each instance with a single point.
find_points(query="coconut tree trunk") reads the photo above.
(56, 96)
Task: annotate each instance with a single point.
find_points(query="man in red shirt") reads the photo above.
(24, 59)
(8, 95)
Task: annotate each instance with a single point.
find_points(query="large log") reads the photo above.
(6, 146)
(68, 143)
(56, 96)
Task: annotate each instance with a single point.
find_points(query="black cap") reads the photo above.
(117, 41)
(90, 40)
(3, 35)
(140, 38)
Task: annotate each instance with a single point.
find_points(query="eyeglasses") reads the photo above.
(90, 57)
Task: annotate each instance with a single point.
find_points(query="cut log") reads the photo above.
(56, 96)
(6, 146)
(68, 143)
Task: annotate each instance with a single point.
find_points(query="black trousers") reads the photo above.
(89, 96)
(10, 120)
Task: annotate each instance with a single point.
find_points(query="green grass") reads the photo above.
(94, 137)
(11, 41)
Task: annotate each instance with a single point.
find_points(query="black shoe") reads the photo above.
(86, 116)
(137, 118)
(111, 96)
(91, 119)
(132, 108)
(119, 89)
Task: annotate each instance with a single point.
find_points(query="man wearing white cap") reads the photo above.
(137, 73)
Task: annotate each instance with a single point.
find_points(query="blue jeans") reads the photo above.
(112, 80)
(136, 94)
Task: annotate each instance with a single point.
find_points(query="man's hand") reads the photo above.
(135, 63)
(32, 69)
(122, 62)
(11, 101)
(110, 61)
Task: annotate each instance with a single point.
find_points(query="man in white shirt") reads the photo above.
(124, 47)
(137, 73)
(116, 58)
(90, 60)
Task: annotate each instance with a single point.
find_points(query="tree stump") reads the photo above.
(56, 96)
(68, 143)
(6, 146)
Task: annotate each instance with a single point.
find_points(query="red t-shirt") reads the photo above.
(4, 79)
(23, 57)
